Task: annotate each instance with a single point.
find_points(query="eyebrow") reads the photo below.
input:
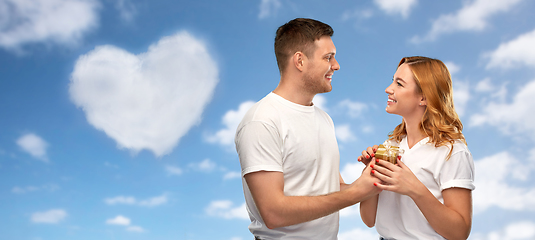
(330, 53)
(400, 79)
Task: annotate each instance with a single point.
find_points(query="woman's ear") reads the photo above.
(298, 60)
(423, 101)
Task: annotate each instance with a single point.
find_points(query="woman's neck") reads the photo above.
(414, 133)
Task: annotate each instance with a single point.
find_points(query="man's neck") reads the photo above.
(294, 95)
(290, 90)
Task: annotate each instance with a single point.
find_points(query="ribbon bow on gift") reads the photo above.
(388, 152)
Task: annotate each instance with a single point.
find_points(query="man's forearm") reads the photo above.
(291, 210)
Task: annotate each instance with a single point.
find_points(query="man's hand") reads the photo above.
(279, 210)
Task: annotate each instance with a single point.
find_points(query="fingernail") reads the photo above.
(373, 171)
(399, 157)
(371, 166)
(373, 154)
(375, 184)
(377, 160)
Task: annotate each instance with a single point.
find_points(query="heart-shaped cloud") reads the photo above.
(146, 101)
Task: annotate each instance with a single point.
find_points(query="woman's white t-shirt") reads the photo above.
(398, 217)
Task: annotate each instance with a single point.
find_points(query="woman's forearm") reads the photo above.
(453, 219)
(368, 210)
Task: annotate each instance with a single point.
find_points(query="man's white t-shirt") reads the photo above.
(299, 141)
(398, 217)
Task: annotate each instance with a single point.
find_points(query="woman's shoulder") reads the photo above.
(459, 147)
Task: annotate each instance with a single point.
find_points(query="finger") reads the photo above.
(366, 170)
(383, 186)
(401, 163)
(387, 164)
(380, 175)
(370, 151)
(365, 154)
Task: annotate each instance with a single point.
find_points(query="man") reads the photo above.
(287, 146)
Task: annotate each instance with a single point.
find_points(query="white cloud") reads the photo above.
(452, 67)
(225, 209)
(27, 189)
(521, 230)
(353, 109)
(517, 52)
(352, 171)
(461, 90)
(172, 170)
(367, 129)
(358, 14)
(353, 210)
(394, 7)
(230, 120)
(146, 101)
(515, 118)
(34, 145)
(51, 216)
(57, 21)
(359, 233)
(126, 9)
(124, 221)
(491, 91)
(154, 201)
(128, 200)
(343, 133)
(484, 85)
(231, 175)
(119, 220)
(268, 8)
(320, 101)
(473, 16)
(135, 229)
(461, 96)
(492, 188)
(205, 165)
(120, 200)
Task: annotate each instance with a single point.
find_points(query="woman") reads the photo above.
(428, 195)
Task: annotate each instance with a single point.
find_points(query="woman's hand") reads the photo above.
(368, 154)
(397, 178)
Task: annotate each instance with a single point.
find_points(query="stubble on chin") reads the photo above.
(315, 86)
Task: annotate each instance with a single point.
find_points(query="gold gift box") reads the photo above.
(388, 153)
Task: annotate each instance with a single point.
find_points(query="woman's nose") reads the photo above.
(389, 89)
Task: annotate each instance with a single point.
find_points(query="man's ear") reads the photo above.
(298, 60)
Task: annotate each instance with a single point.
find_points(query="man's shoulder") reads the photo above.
(264, 110)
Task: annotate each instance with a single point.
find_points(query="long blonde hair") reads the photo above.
(440, 122)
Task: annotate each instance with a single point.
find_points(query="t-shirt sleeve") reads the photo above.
(259, 148)
(458, 171)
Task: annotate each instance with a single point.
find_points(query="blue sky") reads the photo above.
(117, 117)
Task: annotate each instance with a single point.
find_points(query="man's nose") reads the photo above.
(335, 66)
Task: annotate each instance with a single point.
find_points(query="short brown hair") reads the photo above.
(298, 35)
